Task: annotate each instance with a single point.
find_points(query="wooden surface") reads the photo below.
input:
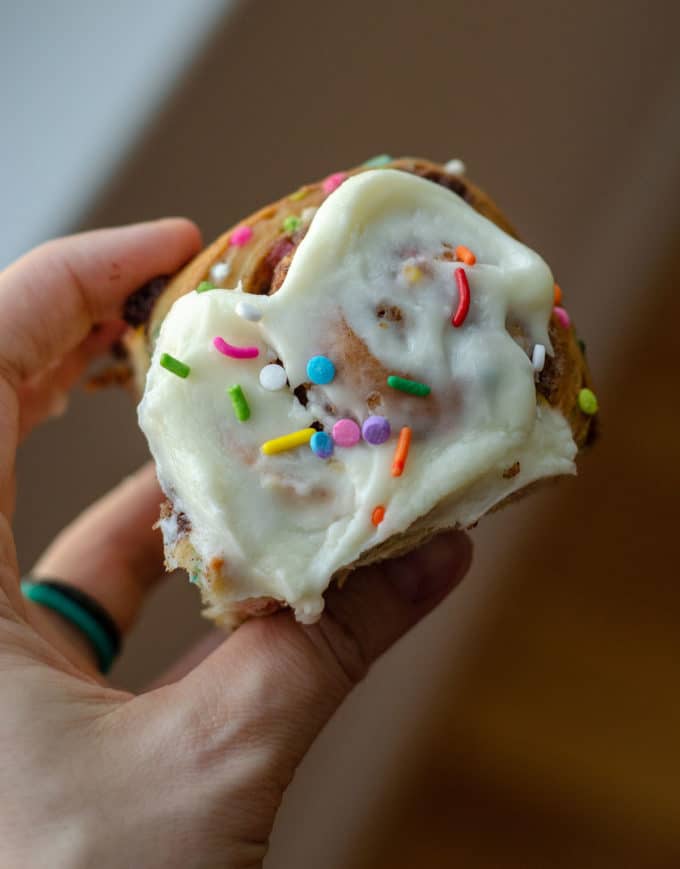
(559, 745)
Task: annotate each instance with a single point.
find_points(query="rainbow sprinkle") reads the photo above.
(333, 182)
(205, 286)
(300, 193)
(587, 401)
(463, 298)
(378, 515)
(291, 224)
(288, 442)
(465, 255)
(377, 161)
(562, 317)
(412, 387)
(401, 452)
(241, 235)
(181, 369)
(239, 403)
(235, 352)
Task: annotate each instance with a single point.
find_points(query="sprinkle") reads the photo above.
(171, 364)
(239, 403)
(273, 377)
(291, 224)
(412, 273)
(376, 430)
(401, 452)
(193, 578)
(219, 272)
(587, 401)
(247, 311)
(377, 161)
(538, 357)
(582, 345)
(333, 182)
(346, 433)
(320, 369)
(322, 444)
(235, 352)
(205, 286)
(410, 386)
(465, 255)
(288, 442)
(558, 294)
(378, 515)
(463, 298)
(562, 317)
(300, 193)
(308, 213)
(241, 235)
(455, 167)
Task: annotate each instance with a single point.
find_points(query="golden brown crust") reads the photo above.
(261, 266)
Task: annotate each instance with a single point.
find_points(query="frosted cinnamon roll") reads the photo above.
(371, 360)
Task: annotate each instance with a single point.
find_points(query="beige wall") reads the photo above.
(565, 111)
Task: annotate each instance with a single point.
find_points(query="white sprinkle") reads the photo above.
(538, 357)
(248, 311)
(273, 377)
(455, 167)
(308, 213)
(219, 272)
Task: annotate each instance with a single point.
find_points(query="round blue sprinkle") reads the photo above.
(320, 369)
(322, 444)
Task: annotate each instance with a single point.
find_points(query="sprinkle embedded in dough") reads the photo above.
(538, 357)
(455, 167)
(219, 273)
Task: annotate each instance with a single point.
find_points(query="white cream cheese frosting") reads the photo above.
(371, 287)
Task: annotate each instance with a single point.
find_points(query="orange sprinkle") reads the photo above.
(465, 255)
(378, 515)
(558, 294)
(401, 452)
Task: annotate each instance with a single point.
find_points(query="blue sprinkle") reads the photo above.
(322, 444)
(320, 369)
(377, 161)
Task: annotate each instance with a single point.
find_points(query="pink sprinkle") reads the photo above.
(562, 316)
(241, 235)
(333, 182)
(235, 352)
(346, 433)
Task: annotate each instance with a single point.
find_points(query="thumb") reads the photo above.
(277, 682)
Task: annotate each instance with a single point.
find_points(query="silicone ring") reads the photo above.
(54, 597)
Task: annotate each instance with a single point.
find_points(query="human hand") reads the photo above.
(190, 773)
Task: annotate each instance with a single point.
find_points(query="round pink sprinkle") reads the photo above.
(333, 182)
(241, 235)
(562, 316)
(346, 433)
(235, 352)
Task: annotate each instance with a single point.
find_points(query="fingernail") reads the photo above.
(429, 572)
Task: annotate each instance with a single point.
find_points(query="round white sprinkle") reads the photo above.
(219, 272)
(308, 214)
(273, 377)
(248, 311)
(455, 167)
(538, 357)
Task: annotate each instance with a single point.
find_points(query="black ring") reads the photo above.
(90, 605)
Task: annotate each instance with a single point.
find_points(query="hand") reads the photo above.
(190, 773)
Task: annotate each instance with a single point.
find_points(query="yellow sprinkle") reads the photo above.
(299, 194)
(412, 273)
(287, 442)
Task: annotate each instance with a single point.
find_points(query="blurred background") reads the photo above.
(533, 721)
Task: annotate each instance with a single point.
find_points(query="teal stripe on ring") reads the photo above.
(54, 600)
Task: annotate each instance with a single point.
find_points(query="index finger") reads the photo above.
(52, 296)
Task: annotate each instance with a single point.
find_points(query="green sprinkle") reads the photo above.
(582, 345)
(174, 365)
(239, 403)
(377, 161)
(299, 194)
(587, 401)
(291, 224)
(193, 578)
(410, 386)
(204, 286)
